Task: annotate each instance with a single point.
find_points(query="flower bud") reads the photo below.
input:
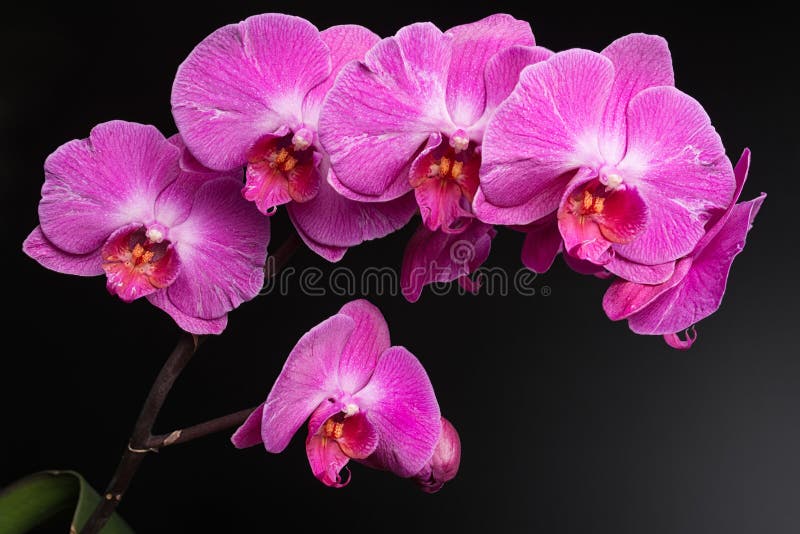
(444, 463)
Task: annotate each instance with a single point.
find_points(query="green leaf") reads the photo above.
(35, 499)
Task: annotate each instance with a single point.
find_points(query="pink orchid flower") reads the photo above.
(131, 204)
(695, 289)
(411, 116)
(630, 167)
(250, 95)
(364, 400)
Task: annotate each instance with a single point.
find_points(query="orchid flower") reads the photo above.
(630, 167)
(250, 95)
(411, 116)
(131, 204)
(695, 289)
(364, 400)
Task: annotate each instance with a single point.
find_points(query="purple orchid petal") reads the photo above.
(346, 43)
(93, 186)
(38, 247)
(641, 274)
(400, 403)
(370, 338)
(675, 341)
(193, 325)
(640, 61)
(249, 434)
(380, 112)
(473, 45)
(546, 125)
(327, 460)
(624, 298)
(677, 161)
(331, 222)
(586, 267)
(503, 69)
(309, 377)
(222, 246)
(542, 244)
(700, 292)
(246, 80)
(441, 257)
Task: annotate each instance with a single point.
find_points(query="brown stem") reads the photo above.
(142, 441)
(183, 435)
(137, 446)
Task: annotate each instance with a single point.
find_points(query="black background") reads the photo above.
(570, 423)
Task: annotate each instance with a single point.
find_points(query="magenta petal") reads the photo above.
(380, 112)
(473, 46)
(309, 376)
(222, 246)
(333, 221)
(624, 298)
(359, 438)
(700, 292)
(542, 244)
(326, 460)
(675, 341)
(249, 434)
(640, 61)
(441, 257)
(38, 247)
(193, 325)
(243, 81)
(641, 274)
(96, 185)
(400, 403)
(503, 70)
(547, 127)
(346, 43)
(443, 465)
(678, 164)
(369, 339)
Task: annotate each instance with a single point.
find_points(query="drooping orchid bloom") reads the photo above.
(411, 116)
(696, 288)
(364, 400)
(131, 204)
(630, 166)
(250, 95)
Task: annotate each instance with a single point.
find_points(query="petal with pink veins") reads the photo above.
(222, 246)
(38, 247)
(327, 460)
(542, 244)
(346, 43)
(193, 325)
(473, 46)
(503, 69)
(309, 377)
(369, 339)
(441, 257)
(399, 401)
(640, 61)
(243, 81)
(330, 223)
(639, 273)
(94, 186)
(677, 163)
(249, 433)
(547, 127)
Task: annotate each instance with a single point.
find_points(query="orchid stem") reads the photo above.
(142, 440)
(133, 456)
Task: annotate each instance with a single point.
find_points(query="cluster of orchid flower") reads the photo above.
(596, 156)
